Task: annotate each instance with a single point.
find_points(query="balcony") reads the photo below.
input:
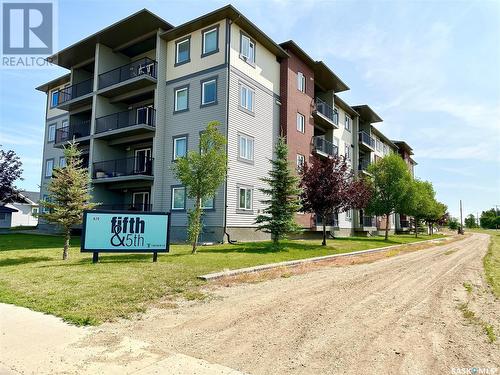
(134, 168)
(325, 115)
(366, 141)
(363, 166)
(126, 207)
(324, 148)
(75, 95)
(133, 76)
(131, 122)
(79, 131)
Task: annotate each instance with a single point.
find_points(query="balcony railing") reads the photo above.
(136, 116)
(322, 145)
(366, 139)
(327, 111)
(125, 207)
(75, 130)
(74, 91)
(368, 221)
(137, 68)
(123, 167)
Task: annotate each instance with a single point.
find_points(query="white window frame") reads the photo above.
(250, 56)
(63, 160)
(248, 190)
(52, 93)
(301, 122)
(175, 146)
(47, 174)
(348, 151)
(145, 198)
(301, 82)
(216, 30)
(176, 103)
(188, 41)
(51, 137)
(247, 98)
(212, 200)
(250, 151)
(214, 81)
(301, 160)
(174, 189)
(348, 215)
(348, 123)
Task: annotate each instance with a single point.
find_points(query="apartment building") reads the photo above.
(139, 93)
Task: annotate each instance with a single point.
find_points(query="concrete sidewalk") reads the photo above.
(36, 343)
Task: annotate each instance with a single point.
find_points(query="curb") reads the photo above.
(291, 263)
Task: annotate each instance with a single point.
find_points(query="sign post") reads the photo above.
(125, 232)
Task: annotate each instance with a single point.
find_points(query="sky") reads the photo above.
(430, 69)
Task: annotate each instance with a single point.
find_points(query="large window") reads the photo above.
(247, 97)
(244, 198)
(301, 122)
(247, 49)
(178, 198)
(246, 147)
(52, 133)
(54, 98)
(182, 53)
(301, 82)
(181, 99)
(49, 167)
(348, 152)
(348, 123)
(209, 92)
(180, 147)
(210, 41)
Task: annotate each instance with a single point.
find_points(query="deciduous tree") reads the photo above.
(69, 194)
(202, 172)
(278, 218)
(10, 171)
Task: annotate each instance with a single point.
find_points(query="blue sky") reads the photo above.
(431, 70)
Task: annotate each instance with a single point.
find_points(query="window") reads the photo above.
(207, 203)
(348, 123)
(301, 160)
(49, 167)
(181, 99)
(301, 122)
(54, 98)
(386, 149)
(45, 198)
(3, 216)
(182, 51)
(348, 215)
(209, 92)
(210, 41)
(52, 133)
(180, 147)
(336, 116)
(378, 144)
(64, 123)
(244, 198)
(348, 155)
(301, 82)
(247, 49)
(34, 211)
(246, 98)
(62, 162)
(178, 198)
(246, 144)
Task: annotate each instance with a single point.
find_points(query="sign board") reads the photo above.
(125, 232)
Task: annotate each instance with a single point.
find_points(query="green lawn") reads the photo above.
(33, 275)
(492, 260)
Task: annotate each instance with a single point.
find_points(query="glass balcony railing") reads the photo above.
(142, 67)
(123, 167)
(74, 91)
(120, 120)
(74, 130)
(322, 145)
(366, 139)
(327, 111)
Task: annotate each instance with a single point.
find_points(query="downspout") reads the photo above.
(228, 62)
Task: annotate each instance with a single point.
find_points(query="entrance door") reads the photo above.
(145, 115)
(143, 161)
(140, 201)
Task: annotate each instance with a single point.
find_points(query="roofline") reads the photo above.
(372, 112)
(382, 135)
(45, 86)
(405, 145)
(342, 83)
(227, 11)
(300, 52)
(344, 105)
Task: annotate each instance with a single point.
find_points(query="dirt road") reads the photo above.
(395, 316)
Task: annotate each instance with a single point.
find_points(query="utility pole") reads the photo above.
(461, 230)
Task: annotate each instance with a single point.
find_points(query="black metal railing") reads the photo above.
(74, 130)
(123, 167)
(74, 91)
(327, 111)
(137, 68)
(125, 207)
(322, 145)
(136, 116)
(365, 138)
(363, 165)
(368, 221)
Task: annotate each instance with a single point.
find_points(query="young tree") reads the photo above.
(391, 182)
(437, 215)
(283, 202)
(453, 223)
(420, 202)
(10, 171)
(328, 187)
(202, 172)
(69, 194)
(490, 219)
(470, 221)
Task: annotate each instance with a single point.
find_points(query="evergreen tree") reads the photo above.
(283, 202)
(69, 194)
